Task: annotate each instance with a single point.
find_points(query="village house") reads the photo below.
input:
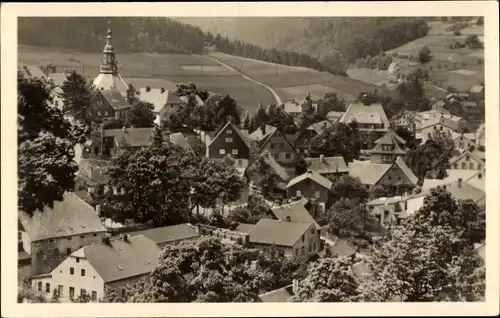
(466, 160)
(334, 116)
(452, 176)
(481, 136)
(388, 210)
(297, 212)
(443, 124)
(459, 190)
(372, 122)
(180, 140)
(463, 140)
(58, 79)
(109, 264)
(230, 141)
(299, 239)
(106, 143)
(292, 108)
(328, 167)
(260, 168)
(310, 185)
(108, 77)
(385, 174)
(50, 235)
(273, 140)
(169, 235)
(303, 140)
(476, 93)
(107, 104)
(388, 148)
(165, 103)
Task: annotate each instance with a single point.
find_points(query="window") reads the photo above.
(222, 151)
(229, 131)
(234, 152)
(317, 194)
(124, 293)
(39, 286)
(57, 103)
(98, 113)
(455, 166)
(272, 146)
(71, 270)
(288, 155)
(390, 178)
(303, 238)
(69, 238)
(78, 259)
(83, 272)
(47, 287)
(312, 231)
(306, 151)
(240, 162)
(441, 128)
(68, 251)
(71, 292)
(90, 113)
(464, 165)
(302, 250)
(282, 145)
(106, 113)
(399, 178)
(467, 158)
(229, 139)
(82, 292)
(60, 290)
(95, 234)
(94, 295)
(461, 145)
(82, 236)
(471, 166)
(298, 193)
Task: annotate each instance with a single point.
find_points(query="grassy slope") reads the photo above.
(137, 68)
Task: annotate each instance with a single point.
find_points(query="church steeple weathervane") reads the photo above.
(109, 65)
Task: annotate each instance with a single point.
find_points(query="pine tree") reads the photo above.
(76, 94)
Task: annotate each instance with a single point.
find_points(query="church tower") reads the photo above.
(108, 77)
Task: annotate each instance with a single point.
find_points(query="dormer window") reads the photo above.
(229, 131)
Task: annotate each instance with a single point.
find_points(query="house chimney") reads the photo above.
(459, 182)
(295, 286)
(288, 219)
(322, 158)
(148, 88)
(98, 209)
(162, 90)
(263, 128)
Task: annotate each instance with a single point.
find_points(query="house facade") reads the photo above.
(230, 141)
(108, 264)
(388, 210)
(388, 148)
(295, 239)
(50, 236)
(467, 161)
(385, 174)
(259, 168)
(310, 185)
(107, 104)
(303, 140)
(274, 141)
(463, 140)
(328, 167)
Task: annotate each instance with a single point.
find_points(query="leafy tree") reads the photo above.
(132, 95)
(221, 108)
(414, 265)
(141, 115)
(308, 115)
(256, 209)
(451, 89)
(154, 181)
(46, 145)
(300, 165)
(212, 180)
(406, 134)
(76, 94)
(480, 21)
(424, 55)
(346, 186)
(472, 42)
(340, 140)
(266, 178)
(260, 117)
(329, 280)
(197, 145)
(48, 68)
(330, 102)
(205, 270)
(348, 218)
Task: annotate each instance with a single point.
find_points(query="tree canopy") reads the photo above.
(46, 145)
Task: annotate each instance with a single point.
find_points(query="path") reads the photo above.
(276, 96)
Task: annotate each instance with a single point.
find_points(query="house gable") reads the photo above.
(280, 147)
(229, 141)
(99, 107)
(394, 176)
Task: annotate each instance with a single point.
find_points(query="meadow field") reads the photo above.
(459, 68)
(292, 82)
(156, 70)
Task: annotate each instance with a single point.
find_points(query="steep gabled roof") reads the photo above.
(460, 190)
(366, 114)
(276, 232)
(314, 176)
(369, 173)
(135, 137)
(465, 153)
(391, 137)
(71, 216)
(115, 99)
(296, 211)
(453, 175)
(105, 81)
(477, 89)
(181, 141)
(167, 234)
(235, 129)
(171, 98)
(269, 136)
(268, 158)
(259, 135)
(120, 259)
(326, 165)
(406, 170)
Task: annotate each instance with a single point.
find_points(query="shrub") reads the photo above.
(457, 33)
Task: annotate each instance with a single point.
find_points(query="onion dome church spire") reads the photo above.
(108, 77)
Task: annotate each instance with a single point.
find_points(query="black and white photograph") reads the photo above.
(252, 159)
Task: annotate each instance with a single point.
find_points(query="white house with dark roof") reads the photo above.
(467, 161)
(297, 239)
(388, 210)
(111, 263)
(50, 235)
